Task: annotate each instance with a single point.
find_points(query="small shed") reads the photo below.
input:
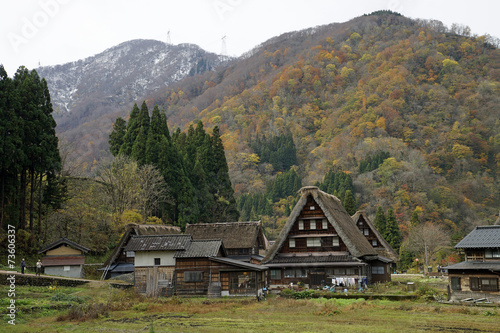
(64, 258)
(204, 270)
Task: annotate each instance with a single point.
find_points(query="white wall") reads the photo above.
(147, 258)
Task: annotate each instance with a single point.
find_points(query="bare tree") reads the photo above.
(130, 186)
(426, 240)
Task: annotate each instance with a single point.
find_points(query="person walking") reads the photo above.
(23, 266)
(38, 267)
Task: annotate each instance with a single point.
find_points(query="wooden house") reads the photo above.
(374, 237)
(204, 270)
(64, 258)
(242, 240)
(478, 276)
(122, 262)
(154, 264)
(321, 245)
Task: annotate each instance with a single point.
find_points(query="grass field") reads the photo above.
(99, 308)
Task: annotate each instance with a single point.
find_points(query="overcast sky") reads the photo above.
(50, 32)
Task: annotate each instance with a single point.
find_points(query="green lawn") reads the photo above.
(99, 308)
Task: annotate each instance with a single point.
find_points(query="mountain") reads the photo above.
(424, 96)
(86, 92)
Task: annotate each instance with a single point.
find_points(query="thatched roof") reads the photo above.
(158, 243)
(357, 244)
(140, 230)
(234, 235)
(387, 251)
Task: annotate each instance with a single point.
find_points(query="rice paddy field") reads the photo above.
(97, 307)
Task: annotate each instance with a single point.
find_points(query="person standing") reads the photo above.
(38, 267)
(23, 266)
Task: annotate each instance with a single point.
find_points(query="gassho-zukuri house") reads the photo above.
(321, 245)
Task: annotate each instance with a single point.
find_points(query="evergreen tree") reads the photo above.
(10, 148)
(349, 204)
(414, 220)
(393, 234)
(117, 135)
(131, 132)
(380, 221)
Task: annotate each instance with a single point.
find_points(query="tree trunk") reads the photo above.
(22, 200)
(40, 205)
(2, 199)
(32, 190)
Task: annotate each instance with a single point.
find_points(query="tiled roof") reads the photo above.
(158, 243)
(200, 249)
(474, 265)
(481, 237)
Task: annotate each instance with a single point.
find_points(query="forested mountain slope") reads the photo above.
(424, 96)
(88, 94)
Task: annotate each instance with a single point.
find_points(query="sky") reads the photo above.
(51, 32)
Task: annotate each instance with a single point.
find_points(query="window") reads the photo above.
(378, 270)
(489, 284)
(157, 261)
(301, 224)
(130, 254)
(474, 283)
(66, 268)
(312, 225)
(486, 284)
(313, 241)
(366, 232)
(291, 242)
(492, 253)
(335, 241)
(350, 271)
(374, 242)
(275, 274)
(295, 273)
(193, 276)
(312, 208)
(360, 223)
(324, 224)
(339, 271)
(455, 283)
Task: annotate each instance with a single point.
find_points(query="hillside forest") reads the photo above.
(395, 116)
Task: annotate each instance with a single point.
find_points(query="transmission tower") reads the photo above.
(224, 47)
(169, 42)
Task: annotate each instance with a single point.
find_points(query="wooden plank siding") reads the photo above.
(213, 273)
(153, 281)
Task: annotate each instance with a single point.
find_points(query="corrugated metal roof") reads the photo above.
(474, 265)
(238, 263)
(481, 237)
(200, 249)
(158, 243)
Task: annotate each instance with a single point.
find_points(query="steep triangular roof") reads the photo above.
(234, 234)
(387, 251)
(63, 241)
(357, 244)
